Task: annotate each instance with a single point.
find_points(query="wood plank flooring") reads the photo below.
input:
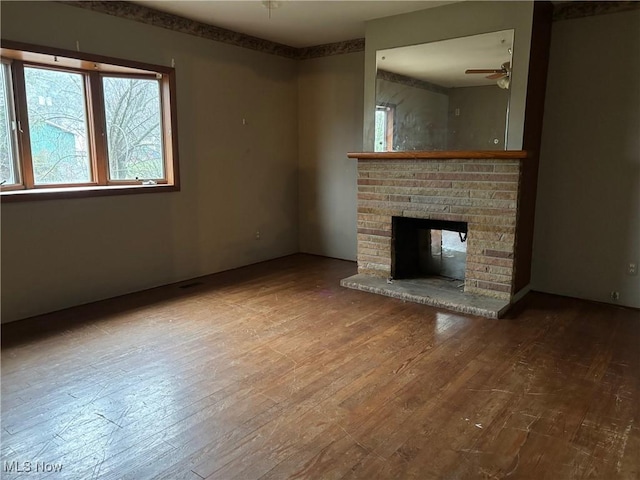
(273, 371)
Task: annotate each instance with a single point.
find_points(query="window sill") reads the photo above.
(10, 196)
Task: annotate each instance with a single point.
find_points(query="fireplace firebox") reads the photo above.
(428, 248)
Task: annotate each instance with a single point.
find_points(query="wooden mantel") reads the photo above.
(430, 154)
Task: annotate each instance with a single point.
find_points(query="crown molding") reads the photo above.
(579, 9)
(328, 49)
(562, 11)
(150, 16)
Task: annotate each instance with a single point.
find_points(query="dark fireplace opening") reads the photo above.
(428, 248)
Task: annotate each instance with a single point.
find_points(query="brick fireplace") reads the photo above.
(481, 192)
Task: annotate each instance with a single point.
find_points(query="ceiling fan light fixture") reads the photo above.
(272, 4)
(504, 82)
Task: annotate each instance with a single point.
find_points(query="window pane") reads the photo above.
(7, 146)
(134, 128)
(57, 126)
(381, 130)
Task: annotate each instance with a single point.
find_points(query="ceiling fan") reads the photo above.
(494, 73)
(502, 75)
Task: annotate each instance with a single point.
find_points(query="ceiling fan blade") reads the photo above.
(496, 76)
(483, 70)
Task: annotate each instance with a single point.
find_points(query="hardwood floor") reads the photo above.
(274, 371)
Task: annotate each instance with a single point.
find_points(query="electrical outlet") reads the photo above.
(257, 234)
(632, 269)
(615, 295)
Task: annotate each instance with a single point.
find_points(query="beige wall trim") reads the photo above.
(150, 16)
(571, 10)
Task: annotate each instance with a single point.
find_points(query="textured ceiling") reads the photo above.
(297, 23)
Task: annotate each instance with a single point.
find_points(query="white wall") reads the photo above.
(588, 210)
(235, 179)
(330, 125)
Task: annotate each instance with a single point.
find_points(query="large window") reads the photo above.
(77, 125)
